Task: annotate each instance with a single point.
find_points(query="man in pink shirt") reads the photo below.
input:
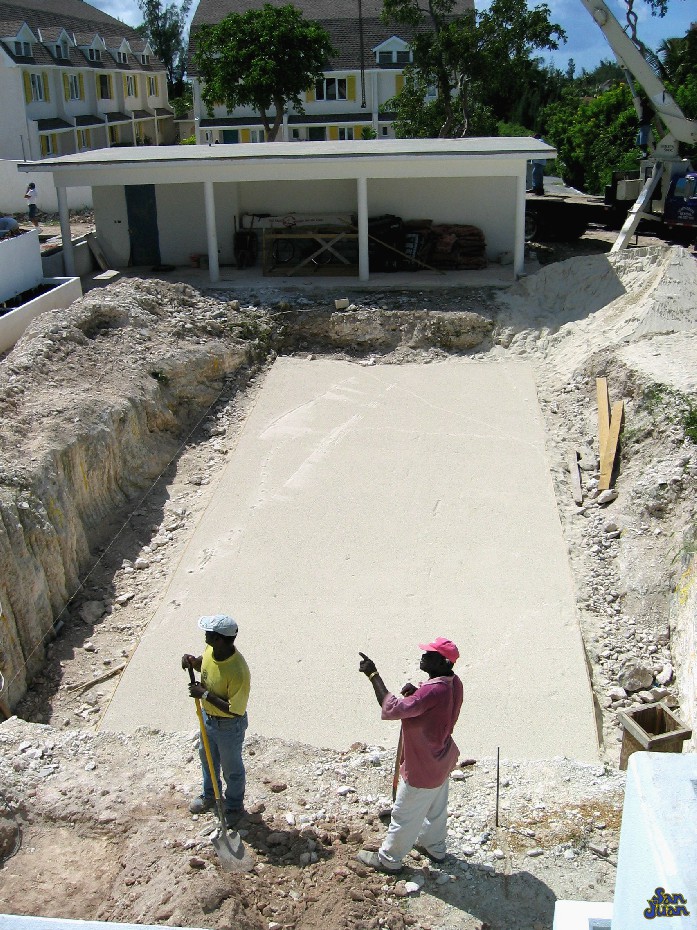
(428, 714)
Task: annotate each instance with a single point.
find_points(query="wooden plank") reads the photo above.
(607, 455)
(575, 474)
(603, 415)
(96, 250)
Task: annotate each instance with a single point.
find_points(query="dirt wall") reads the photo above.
(95, 403)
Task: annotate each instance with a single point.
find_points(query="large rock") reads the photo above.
(633, 676)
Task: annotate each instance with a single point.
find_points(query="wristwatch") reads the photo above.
(204, 696)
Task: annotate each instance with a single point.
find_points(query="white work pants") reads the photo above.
(419, 816)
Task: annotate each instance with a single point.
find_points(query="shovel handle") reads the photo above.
(206, 746)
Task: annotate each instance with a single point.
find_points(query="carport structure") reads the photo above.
(179, 200)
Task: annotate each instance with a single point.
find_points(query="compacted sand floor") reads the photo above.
(373, 507)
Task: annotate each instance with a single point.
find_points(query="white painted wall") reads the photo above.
(111, 220)
(20, 264)
(64, 291)
(488, 203)
(658, 838)
(181, 221)
(13, 184)
(13, 122)
(277, 197)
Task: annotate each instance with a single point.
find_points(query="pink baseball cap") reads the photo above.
(445, 647)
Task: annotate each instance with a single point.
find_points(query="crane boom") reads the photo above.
(630, 58)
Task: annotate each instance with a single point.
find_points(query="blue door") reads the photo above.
(231, 135)
(141, 207)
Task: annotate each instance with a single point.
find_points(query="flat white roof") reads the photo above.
(506, 147)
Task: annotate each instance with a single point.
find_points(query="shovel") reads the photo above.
(229, 847)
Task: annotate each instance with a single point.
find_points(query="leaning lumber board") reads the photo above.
(96, 249)
(607, 455)
(603, 415)
(575, 474)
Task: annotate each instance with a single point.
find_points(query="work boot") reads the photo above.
(232, 818)
(201, 805)
(373, 861)
(424, 852)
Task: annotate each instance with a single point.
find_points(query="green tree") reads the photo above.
(164, 27)
(474, 60)
(593, 136)
(262, 58)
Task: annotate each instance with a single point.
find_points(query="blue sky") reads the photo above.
(585, 44)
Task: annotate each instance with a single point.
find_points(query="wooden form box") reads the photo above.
(651, 728)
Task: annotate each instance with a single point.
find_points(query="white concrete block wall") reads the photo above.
(13, 184)
(20, 264)
(488, 203)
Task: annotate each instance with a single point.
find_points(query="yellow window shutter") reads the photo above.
(88, 137)
(351, 87)
(27, 87)
(244, 135)
(111, 86)
(398, 83)
(135, 84)
(47, 92)
(54, 143)
(66, 86)
(333, 133)
(357, 132)
(44, 146)
(157, 86)
(310, 94)
(82, 86)
(125, 85)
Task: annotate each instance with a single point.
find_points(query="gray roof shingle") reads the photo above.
(76, 17)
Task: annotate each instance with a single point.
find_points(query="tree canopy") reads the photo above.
(164, 27)
(476, 61)
(262, 59)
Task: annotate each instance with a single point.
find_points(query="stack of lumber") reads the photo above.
(455, 246)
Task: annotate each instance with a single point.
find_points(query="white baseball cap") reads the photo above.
(218, 623)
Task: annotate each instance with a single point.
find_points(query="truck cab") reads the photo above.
(681, 201)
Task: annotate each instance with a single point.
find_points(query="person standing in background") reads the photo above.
(30, 197)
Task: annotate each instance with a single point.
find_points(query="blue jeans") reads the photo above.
(225, 735)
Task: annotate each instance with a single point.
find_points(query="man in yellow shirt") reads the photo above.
(224, 692)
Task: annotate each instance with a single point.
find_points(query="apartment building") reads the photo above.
(348, 102)
(73, 78)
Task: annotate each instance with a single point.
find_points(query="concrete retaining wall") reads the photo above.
(20, 264)
(62, 293)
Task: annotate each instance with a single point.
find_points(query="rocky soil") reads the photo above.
(95, 825)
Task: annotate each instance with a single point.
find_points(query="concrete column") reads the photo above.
(519, 226)
(64, 215)
(363, 260)
(211, 232)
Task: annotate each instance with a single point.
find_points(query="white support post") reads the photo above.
(363, 259)
(519, 225)
(211, 232)
(64, 216)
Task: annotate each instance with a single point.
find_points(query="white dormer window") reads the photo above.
(94, 54)
(23, 48)
(122, 57)
(393, 52)
(144, 59)
(62, 50)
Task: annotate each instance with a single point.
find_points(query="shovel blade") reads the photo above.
(231, 852)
